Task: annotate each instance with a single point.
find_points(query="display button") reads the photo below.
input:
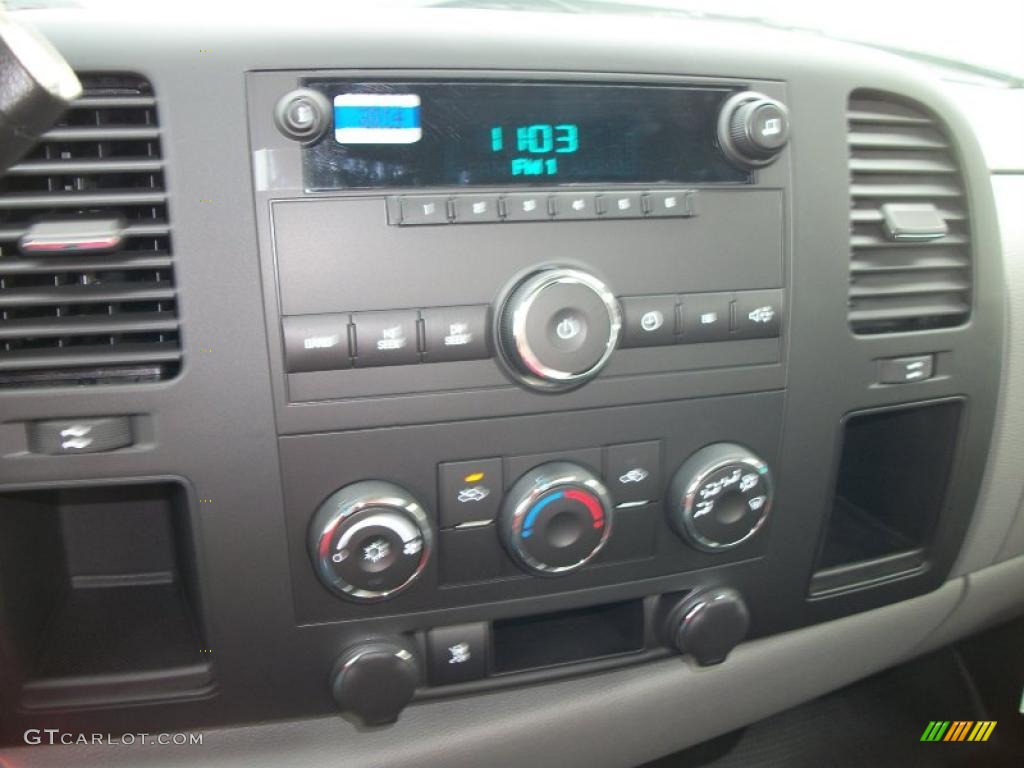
(470, 491)
(457, 654)
(633, 472)
(424, 209)
(622, 205)
(575, 205)
(316, 343)
(648, 321)
(476, 208)
(904, 370)
(69, 436)
(705, 317)
(672, 202)
(526, 207)
(385, 338)
(758, 314)
(455, 333)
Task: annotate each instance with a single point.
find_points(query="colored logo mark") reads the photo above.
(958, 730)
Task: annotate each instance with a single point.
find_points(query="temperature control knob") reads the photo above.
(369, 541)
(720, 497)
(556, 518)
(557, 328)
(753, 129)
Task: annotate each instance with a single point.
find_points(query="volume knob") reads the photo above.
(558, 328)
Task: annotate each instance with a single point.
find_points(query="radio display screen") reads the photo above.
(466, 134)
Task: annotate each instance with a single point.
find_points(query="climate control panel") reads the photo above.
(372, 539)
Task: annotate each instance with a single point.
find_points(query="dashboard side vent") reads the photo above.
(903, 167)
(87, 292)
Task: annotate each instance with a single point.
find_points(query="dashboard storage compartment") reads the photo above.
(890, 490)
(100, 585)
(585, 634)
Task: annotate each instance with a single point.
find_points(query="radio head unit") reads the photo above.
(385, 134)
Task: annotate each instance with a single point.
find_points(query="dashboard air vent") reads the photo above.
(910, 254)
(87, 290)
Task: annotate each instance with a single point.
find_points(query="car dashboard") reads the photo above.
(477, 387)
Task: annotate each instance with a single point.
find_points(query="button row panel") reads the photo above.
(448, 334)
(400, 337)
(651, 321)
(490, 208)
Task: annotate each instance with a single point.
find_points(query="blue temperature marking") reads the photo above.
(528, 523)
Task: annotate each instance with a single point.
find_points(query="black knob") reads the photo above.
(303, 115)
(708, 624)
(720, 497)
(556, 518)
(369, 540)
(753, 129)
(375, 680)
(557, 328)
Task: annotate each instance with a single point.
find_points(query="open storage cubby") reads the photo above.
(98, 595)
(891, 488)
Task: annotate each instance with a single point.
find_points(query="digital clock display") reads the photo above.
(430, 134)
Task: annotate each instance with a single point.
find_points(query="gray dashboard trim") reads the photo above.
(993, 534)
(589, 721)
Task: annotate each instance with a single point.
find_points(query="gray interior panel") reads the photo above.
(251, 450)
(586, 722)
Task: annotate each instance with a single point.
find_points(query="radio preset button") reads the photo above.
(424, 209)
(386, 338)
(455, 333)
(575, 205)
(758, 314)
(527, 207)
(621, 205)
(471, 209)
(673, 202)
(648, 321)
(705, 317)
(469, 491)
(316, 343)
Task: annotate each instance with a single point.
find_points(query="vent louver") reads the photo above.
(900, 155)
(89, 308)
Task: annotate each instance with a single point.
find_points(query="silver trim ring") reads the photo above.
(533, 287)
(550, 477)
(698, 539)
(348, 502)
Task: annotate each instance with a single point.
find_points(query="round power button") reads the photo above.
(558, 328)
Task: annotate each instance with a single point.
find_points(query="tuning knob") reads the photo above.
(557, 328)
(369, 541)
(375, 680)
(720, 497)
(753, 129)
(708, 624)
(556, 518)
